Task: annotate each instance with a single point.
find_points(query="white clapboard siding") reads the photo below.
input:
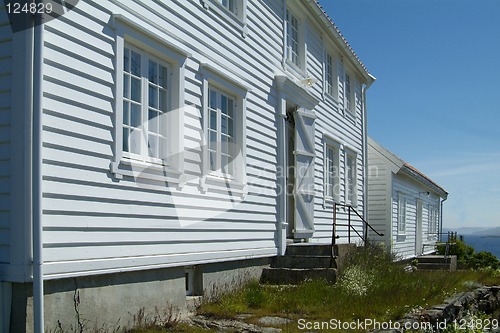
(5, 134)
(95, 223)
(379, 199)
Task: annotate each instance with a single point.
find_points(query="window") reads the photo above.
(347, 92)
(145, 104)
(149, 106)
(224, 150)
(221, 132)
(401, 214)
(331, 170)
(351, 178)
(433, 220)
(293, 38)
(329, 75)
(233, 12)
(229, 5)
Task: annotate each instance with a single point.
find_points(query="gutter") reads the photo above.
(365, 149)
(37, 81)
(441, 218)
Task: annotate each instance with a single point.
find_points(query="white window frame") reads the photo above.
(433, 219)
(170, 169)
(331, 188)
(300, 65)
(331, 88)
(351, 184)
(235, 14)
(347, 90)
(235, 183)
(402, 217)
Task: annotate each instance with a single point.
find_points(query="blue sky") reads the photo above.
(436, 101)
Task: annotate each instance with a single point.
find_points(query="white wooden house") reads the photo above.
(403, 203)
(152, 149)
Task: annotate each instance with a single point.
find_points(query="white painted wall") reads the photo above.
(96, 223)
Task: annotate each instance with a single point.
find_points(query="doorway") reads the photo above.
(290, 169)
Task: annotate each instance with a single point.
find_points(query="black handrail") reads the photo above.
(349, 225)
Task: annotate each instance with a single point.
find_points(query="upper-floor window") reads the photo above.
(401, 214)
(293, 38)
(351, 178)
(145, 103)
(347, 92)
(329, 75)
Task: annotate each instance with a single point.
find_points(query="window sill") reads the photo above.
(295, 69)
(147, 171)
(401, 237)
(330, 99)
(238, 23)
(216, 183)
(330, 201)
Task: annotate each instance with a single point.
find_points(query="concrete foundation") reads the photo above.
(106, 302)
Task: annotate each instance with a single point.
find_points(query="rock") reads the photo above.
(274, 321)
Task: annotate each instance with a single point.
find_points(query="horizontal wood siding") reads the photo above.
(344, 129)
(379, 184)
(96, 223)
(404, 246)
(5, 134)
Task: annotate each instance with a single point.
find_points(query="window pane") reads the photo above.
(223, 162)
(224, 125)
(126, 82)
(230, 108)
(126, 60)
(135, 141)
(135, 65)
(153, 72)
(230, 126)
(163, 100)
(153, 96)
(125, 140)
(136, 89)
(136, 115)
(213, 161)
(213, 140)
(153, 122)
(163, 75)
(213, 120)
(153, 146)
(224, 144)
(212, 99)
(223, 104)
(126, 113)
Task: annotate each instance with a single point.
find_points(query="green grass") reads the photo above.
(372, 287)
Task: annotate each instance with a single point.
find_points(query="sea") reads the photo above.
(482, 243)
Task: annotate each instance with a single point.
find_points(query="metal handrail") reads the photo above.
(349, 225)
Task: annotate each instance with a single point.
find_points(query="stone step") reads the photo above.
(297, 275)
(296, 261)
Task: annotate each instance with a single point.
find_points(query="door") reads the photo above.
(304, 173)
(418, 230)
(290, 171)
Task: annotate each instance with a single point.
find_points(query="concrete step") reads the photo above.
(308, 249)
(434, 266)
(318, 249)
(438, 259)
(297, 275)
(296, 261)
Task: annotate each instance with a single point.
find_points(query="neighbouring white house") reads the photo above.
(155, 150)
(403, 203)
